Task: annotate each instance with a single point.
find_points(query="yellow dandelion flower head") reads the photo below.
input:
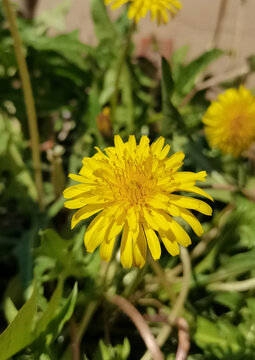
(132, 188)
(139, 8)
(230, 121)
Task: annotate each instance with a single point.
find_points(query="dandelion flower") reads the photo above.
(139, 8)
(132, 188)
(230, 121)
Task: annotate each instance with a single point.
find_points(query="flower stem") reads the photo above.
(119, 69)
(29, 100)
(162, 278)
(90, 310)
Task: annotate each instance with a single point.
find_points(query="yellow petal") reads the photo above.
(75, 204)
(180, 234)
(156, 147)
(96, 224)
(118, 144)
(197, 190)
(132, 219)
(190, 203)
(75, 190)
(164, 152)
(78, 178)
(169, 242)
(85, 213)
(186, 176)
(192, 221)
(151, 221)
(153, 242)
(98, 236)
(106, 250)
(160, 220)
(175, 161)
(140, 249)
(126, 252)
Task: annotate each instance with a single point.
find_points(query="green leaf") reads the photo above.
(118, 352)
(104, 28)
(53, 246)
(232, 300)
(177, 59)
(54, 318)
(20, 332)
(187, 76)
(221, 338)
(54, 18)
(68, 45)
(51, 308)
(172, 120)
(235, 265)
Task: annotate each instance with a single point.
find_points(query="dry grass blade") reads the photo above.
(183, 339)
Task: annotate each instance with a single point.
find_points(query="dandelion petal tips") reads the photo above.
(159, 9)
(131, 190)
(230, 121)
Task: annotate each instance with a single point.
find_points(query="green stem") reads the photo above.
(29, 100)
(162, 278)
(90, 310)
(130, 289)
(119, 69)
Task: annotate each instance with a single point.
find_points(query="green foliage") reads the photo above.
(43, 263)
(187, 75)
(28, 325)
(14, 338)
(118, 352)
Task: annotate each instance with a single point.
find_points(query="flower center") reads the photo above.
(135, 183)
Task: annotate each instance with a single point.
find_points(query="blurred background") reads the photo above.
(199, 24)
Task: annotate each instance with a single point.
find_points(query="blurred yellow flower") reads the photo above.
(132, 187)
(139, 8)
(230, 121)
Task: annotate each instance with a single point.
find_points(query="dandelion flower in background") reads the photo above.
(230, 121)
(138, 9)
(132, 188)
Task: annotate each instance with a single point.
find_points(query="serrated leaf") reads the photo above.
(53, 246)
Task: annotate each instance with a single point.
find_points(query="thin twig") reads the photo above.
(90, 310)
(243, 285)
(29, 100)
(179, 303)
(150, 302)
(75, 343)
(183, 339)
(219, 23)
(162, 318)
(237, 40)
(140, 324)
